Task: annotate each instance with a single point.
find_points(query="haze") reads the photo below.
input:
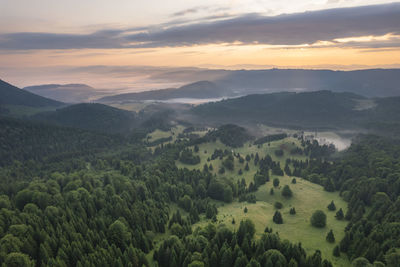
(47, 41)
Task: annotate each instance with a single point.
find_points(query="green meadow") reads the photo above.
(307, 197)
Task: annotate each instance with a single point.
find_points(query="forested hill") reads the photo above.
(22, 140)
(311, 109)
(201, 89)
(11, 95)
(96, 117)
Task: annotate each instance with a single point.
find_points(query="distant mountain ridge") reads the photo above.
(201, 89)
(68, 93)
(370, 82)
(12, 95)
(233, 83)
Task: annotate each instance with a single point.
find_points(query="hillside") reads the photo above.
(26, 140)
(304, 110)
(11, 95)
(201, 89)
(96, 117)
(68, 93)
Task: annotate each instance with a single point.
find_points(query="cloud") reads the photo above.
(198, 9)
(286, 29)
(189, 11)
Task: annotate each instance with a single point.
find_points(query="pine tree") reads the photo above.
(336, 251)
(330, 237)
(339, 215)
(276, 182)
(292, 211)
(332, 206)
(277, 218)
(271, 192)
(247, 168)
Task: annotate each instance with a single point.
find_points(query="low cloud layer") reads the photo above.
(287, 29)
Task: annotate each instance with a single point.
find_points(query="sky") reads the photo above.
(47, 41)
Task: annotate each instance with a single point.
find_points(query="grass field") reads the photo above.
(207, 149)
(307, 197)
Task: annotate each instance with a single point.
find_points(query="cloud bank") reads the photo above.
(287, 29)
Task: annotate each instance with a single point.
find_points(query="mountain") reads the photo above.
(11, 95)
(369, 83)
(68, 93)
(96, 117)
(201, 89)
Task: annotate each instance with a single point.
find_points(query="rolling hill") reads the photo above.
(311, 109)
(201, 89)
(96, 117)
(68, 93)
(11, 95)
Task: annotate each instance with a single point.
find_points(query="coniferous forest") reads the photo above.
(116, 202)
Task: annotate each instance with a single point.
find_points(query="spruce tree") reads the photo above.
(277, 218)
(332, 206)
(292, 211)
(339, 215)
(330, 237)
(336, 251)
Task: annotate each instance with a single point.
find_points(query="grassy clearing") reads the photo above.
(131, 106)
(158, 134)
(307, 197)
(207, 149)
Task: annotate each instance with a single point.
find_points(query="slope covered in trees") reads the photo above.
(314, 109)
(11, 95)
(96, 117)
(23, 140)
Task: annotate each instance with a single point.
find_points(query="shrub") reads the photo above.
(286, 192)
(278, 205)
(318, 219)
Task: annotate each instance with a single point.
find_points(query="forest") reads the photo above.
(118, 203)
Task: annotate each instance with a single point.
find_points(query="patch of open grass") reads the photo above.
(207, 149)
